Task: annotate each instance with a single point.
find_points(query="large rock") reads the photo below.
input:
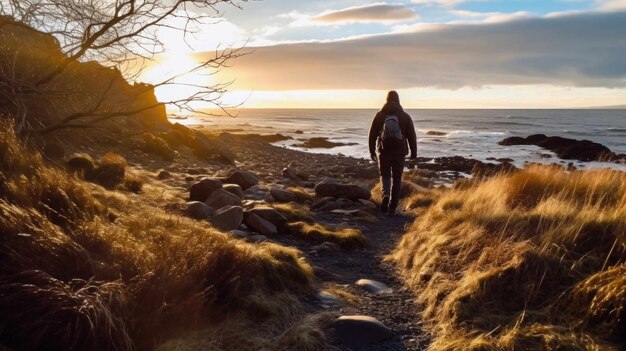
(358, 331)
(234, 189)
(330, 188)
(201, 190)
(198, 210)
(565, 148)
(260, 225)
(270, 214)
(228, 218)
(221, 198)
(281, 195)
(244, 179)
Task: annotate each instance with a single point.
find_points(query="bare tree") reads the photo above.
(120, 34)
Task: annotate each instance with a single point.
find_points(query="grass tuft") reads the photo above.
(533, 259)
(347, 238)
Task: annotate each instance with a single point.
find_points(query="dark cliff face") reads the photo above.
(26, 56)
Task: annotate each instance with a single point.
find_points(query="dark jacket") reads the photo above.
(406, 124)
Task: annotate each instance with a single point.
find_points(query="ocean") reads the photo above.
(470, 133)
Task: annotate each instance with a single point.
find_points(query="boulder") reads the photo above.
(234, 189)
(244, 179)
(270, 214)
(321, 202)
(221, 198)
(374, 286)
(201, 190)
(331, 188)
(228, 218)
(260, 225)
(358, 331)
(290, 173)
(198, 210)
(281, 195)
(328, 299)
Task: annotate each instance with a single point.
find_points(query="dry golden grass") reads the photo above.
(82, 267)
(346, 238)
(301, 194)
(533, 260)
(295, 212)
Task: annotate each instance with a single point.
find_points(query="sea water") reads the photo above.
(469, 133)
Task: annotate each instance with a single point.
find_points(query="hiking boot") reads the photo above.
(384, 205)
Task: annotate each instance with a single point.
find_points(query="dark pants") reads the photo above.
(391, 168)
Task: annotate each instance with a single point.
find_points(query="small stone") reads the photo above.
(374, 286)
(332, 188)
(240, 234)
(198, 210)
(257, 238)
(328, 299)
(164, 175)
(358, 331)
(326, 247)
(270, 214)
(320, 203)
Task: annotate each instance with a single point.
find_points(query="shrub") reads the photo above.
(528, 260)
(153, 144)
(80, 163)
(110, 171)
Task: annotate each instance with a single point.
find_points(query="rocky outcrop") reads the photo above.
(321, 143)
(82, 86)
(566, 148)
(331, 188)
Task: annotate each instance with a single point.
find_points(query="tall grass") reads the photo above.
(531, 260)
(83, 267)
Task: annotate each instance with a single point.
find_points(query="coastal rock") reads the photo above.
(321, 143)
(270, 214)
(220, 198)
(326, 247)
(358, 331)
(234, 189)
(260, 225)
(257, 238)
(201, 190)
(240, 234)
(331, 188)
(565, 148)
(198, 210)
(281, 195)
(244, 179)
(374, 286)
(290, 173)
(436, 133)
(228, 218)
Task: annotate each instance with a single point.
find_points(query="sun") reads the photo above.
(179, 66)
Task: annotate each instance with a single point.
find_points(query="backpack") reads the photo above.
(391, 137)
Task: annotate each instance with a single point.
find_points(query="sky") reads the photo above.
(436, 53)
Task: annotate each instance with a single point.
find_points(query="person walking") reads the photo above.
(391, 137)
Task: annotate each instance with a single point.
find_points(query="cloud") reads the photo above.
(611, 4)
(368, 13)
(446, 3)
(584, 50)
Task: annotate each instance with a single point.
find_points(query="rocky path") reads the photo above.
(343, 269)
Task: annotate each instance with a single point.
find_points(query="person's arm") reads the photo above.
(412, 138)
(374, 133)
